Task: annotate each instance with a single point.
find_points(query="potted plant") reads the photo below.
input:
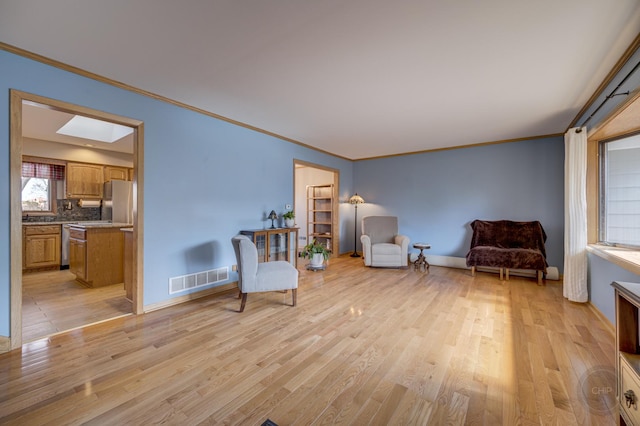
(288, 219)
(316, 252)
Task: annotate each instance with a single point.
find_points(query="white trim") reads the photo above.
(191, 296)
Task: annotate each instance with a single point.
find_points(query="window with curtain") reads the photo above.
(620, 191)
(39, 186)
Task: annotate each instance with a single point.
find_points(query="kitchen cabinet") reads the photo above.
(275, 244)
(84, 180)
(41, 247)
(128, 262)
(96, 254)
(115, 173)
(78, 258)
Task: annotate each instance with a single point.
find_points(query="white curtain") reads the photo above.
(575, 215)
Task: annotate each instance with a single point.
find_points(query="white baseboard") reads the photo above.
(190, 296)
(461, 263)
(5, 344)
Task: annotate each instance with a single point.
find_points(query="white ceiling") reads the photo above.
(359, 78)
(43, 123)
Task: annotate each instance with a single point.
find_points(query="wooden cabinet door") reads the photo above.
(78, 258)
(115, 173)
(128, 264)
(84, 180)
(41, 251)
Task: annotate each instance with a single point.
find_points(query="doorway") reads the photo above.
(307, 175)
(17, 114)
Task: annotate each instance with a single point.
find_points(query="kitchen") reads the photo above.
(77, 220)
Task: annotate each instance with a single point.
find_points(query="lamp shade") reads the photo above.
(273, 215)
(356, 199)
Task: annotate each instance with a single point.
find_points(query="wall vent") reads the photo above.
(199, 279)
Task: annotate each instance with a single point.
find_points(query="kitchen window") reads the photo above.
(620, 191)
(39, 187)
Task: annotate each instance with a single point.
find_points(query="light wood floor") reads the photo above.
(54, 301)
(363, 346)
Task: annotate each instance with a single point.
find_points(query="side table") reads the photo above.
(421, 262)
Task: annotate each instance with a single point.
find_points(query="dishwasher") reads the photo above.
(64, 249)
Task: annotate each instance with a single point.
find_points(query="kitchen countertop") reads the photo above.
(82, 224)
(57, 222)
(90, 225)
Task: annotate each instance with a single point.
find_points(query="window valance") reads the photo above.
(43, 170)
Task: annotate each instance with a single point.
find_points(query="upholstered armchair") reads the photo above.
(255, 277)
(381, 244)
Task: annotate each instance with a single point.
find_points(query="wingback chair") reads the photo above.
(255, 277)
(381, 244)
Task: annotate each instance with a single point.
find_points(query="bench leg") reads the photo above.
(473, 271)
(507, 272)
(539, 277)
(501, 274)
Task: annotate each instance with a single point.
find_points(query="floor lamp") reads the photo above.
(355, 200)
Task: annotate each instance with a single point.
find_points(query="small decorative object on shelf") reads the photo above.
(289, 217)
(317, 254)
(273, 216)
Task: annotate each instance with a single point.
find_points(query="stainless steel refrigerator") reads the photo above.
(117, 204)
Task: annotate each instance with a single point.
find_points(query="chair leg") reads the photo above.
(539, 273)
(473, 271)
(239, 293)
(294, 292)
(501, 274)
(507, 273)
(244, 302)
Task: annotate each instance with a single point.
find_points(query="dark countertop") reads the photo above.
(90, 225)
(57, 222)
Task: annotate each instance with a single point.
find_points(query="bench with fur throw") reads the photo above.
(505, 245)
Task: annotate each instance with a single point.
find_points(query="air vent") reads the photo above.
(199, 279)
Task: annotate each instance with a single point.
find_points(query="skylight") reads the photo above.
(98, 130)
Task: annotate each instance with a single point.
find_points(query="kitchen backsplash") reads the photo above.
(76, 213)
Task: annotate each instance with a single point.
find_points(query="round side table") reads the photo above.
(421, 262)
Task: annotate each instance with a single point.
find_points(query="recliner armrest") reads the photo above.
(403, 242)
(366, 249)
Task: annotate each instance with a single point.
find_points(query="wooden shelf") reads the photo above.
(275, 244)
(320, 205)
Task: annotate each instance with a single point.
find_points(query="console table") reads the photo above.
(275, 244)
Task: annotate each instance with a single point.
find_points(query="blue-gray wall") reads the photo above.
(204, 179)
(437, 194)
(601, 273)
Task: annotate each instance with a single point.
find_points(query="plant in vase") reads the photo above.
(289, 219)
(316, 252)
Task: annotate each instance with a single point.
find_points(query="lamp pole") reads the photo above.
(355, 200)
(355, 231)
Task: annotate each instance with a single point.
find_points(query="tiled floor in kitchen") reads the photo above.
(54, 301)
